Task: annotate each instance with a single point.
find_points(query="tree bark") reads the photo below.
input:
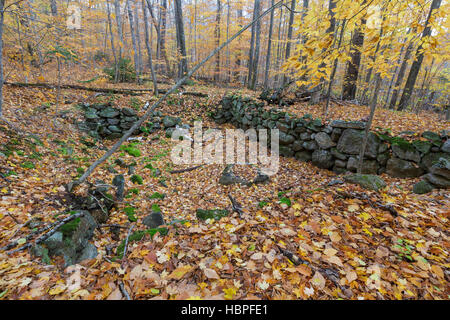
(2, 12)
(289, 38)
(181, 40)
(254, 69)
(269, 49)
(352, 72)
(111, 37)
(217, 35)
(148, 45)
(415, 68)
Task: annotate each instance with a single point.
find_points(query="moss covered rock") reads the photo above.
(215, 214)
(366, 181)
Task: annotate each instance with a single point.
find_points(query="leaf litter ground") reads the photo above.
(346, 248)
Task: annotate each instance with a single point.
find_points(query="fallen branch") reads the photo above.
(150, 111)
(186, 170)
(124, 291)
(236, 205)
(375, 204)
(102, 90)
(54, 227)
(126, 242)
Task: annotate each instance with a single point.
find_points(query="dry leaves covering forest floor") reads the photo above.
(350, 249)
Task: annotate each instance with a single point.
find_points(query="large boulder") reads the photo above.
(366, 181)
(322, 159)
(286, 139)
(399, 168)
(351, 142)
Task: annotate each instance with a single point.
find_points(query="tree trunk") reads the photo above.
(269, 49)
(217, 35)
(133, 39)
(352, 72)
(148, 45)
(138, 38)
(415, 68)
(239, 53)
(119, 26)
(113, 48)
(254, 68)
(289, 38)
(181, 42)
(2, 5)
(252, 48)
(373, 105)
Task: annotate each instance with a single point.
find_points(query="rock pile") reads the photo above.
(105, 121)
(336, 146)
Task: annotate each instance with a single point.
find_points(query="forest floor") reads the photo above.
(351, 250)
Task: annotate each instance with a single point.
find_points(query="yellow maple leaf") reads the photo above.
(229, 293)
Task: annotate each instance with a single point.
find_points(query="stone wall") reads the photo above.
(336, 146)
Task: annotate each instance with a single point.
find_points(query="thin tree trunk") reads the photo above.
(148, 45)
(138, 38)
(415, 68)
(239, 53)
(373, 105)
(333, 73)
(181, 42)
(133, 39)
(289, 38)
(254, 75)
(2, 12)
(269, 49)
(252, 48)
(217, 35)
(352, 72)
(113, 48)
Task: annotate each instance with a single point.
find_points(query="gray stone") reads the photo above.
(406, 152)
(170, 122)
(435, 149)
(304, 156)
(366, 181)
(286, 139)
(297, 146)
(422, 187)
(338, 155)
(383, 148)
(113, 121)
(322, 159)
(336, 134)
(432, 136)
(88, 253)
(129, 112)
(369, 166)
(55, 241)
(446, 146)
(340, 164)
(348, 124)
(423, 147)
(109, 112)
(351, 141)
(286, 151)
(324, 141)
(437, 181)
(441, 168)
(432, 158)
(310, 145)
(399, 168)
(153, 220)
(119, 183)
(114, 129)
(383, 158)
(305, 136)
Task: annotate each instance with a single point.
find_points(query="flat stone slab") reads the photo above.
(348, 124)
